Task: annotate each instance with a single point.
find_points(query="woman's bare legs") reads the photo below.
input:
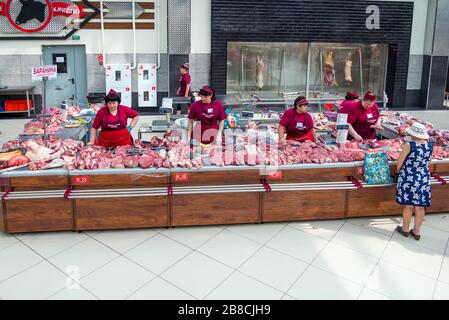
(419, 218)
(406, 218)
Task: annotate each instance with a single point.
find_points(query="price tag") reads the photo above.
(181, 177)
(342, 118)
(79, 180)
(275, 175)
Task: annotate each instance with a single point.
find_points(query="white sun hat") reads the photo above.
(418, 130)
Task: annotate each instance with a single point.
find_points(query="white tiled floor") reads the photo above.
(340, 259)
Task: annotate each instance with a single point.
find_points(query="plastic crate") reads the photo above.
(17, 105)
(329, 106)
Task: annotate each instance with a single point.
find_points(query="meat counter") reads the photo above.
(79, 200)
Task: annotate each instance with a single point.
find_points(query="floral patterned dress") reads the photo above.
(413, 188)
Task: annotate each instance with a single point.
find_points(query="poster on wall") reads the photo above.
(43, 19)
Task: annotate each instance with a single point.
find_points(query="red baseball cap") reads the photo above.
(369, 95)
(352, 95)
(112, 91)
(206, 91)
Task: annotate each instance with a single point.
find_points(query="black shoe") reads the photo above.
(399, 229)
(416, 236)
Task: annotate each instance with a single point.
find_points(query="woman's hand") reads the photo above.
(358, 138)
(218, 140)
(90, 143)
(377, 127)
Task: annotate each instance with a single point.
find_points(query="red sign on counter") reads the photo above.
(79, 180)
(275, 175)
(181, 177)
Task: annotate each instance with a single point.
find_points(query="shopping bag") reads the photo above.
(376, 169)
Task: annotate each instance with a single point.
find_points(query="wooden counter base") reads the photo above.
(377, 201)
(200, 207)
(224, 208)
(121, 213)
(303, 205)
(38, 215)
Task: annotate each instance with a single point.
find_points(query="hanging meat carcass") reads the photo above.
(259, 71)
(329, 71)
(348, 67)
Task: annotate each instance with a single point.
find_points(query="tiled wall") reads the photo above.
(15, 70)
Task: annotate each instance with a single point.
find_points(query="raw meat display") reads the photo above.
(439, 137)
(246, 148)
(37, 152)
(47, 164)
(42, 152)
(440, 153)
(401, 121)
(37, 128)
(329, 71)
(72, 110)
(17, 161)
(12, 145)
(131, 161)
(391, 147)
(320, 121)
(3, 164)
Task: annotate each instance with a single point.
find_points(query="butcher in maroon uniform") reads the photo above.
(297, 122)
(184, 85)
(351, 98)
(363, 117)
(209, 115)
(113, 121)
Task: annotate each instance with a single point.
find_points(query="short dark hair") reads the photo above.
(112, 97)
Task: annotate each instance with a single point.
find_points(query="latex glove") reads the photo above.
(218, 140)
(130, 128)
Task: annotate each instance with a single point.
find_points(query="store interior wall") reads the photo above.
(19, 56)
(270, 22)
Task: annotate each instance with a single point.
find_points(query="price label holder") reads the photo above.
(181, 177)
(81, 180)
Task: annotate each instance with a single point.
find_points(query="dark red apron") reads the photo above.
(302, 130)
(363, 128)
(115, 135)
(306, 136)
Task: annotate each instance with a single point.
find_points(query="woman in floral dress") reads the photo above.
(413, 189)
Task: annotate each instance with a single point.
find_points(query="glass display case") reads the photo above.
(336, 68)
(266, 69)
(321, 71)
